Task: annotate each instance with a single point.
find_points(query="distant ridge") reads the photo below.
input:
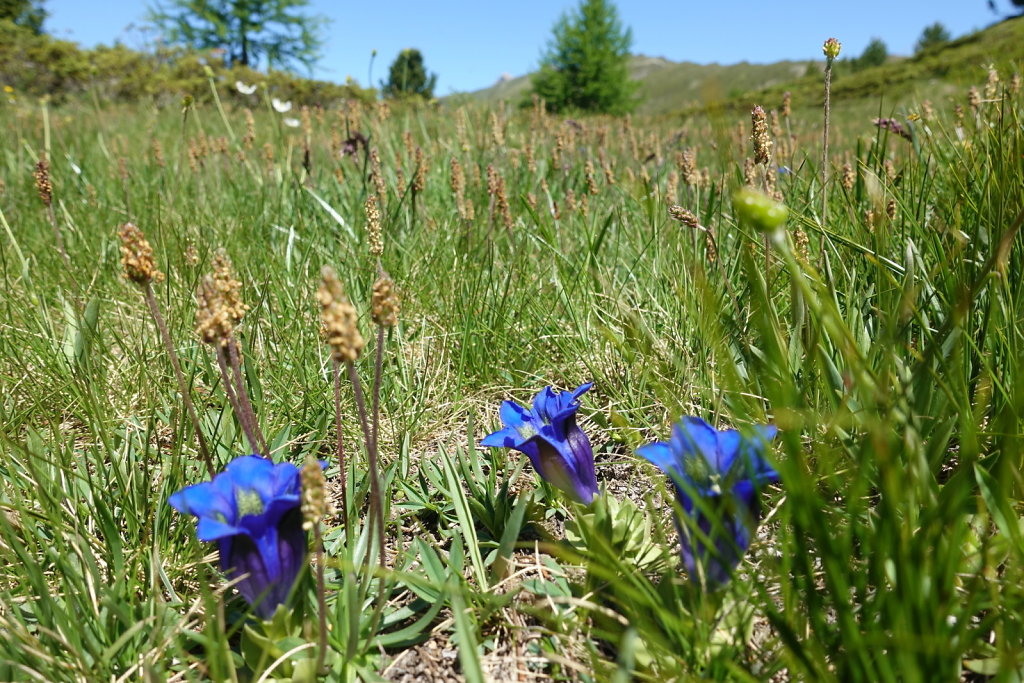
(667, 86)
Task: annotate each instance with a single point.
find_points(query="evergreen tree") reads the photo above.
(874, 54)
(932, 36)
(25, 13)
(408, 76)
(585, 65)
(249, 30)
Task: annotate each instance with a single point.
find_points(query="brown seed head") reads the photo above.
(137, 256)
(848, 177)
(992, 84)
(373, 229)
(384, 302)
(43, 184)
(497, 130)
(228, 287)
(973, 98)
(671, 183)
(748, 172)
(192, 255)
(339, 318)
(250, 129)
(684, 216)
(687, 162)
(377, 176)
(588, 170)
(803, 245)
(890, 170)
(787, 99)
(419, 179)
(157, 150)
(315, 504)
(759, 135)
(213, 321)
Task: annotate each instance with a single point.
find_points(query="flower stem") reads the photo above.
(165, 335)
(376, 505)
(321, 654)
(229, 389)
(377, 367)
(824, 150)
(341, 447)
(235, 359)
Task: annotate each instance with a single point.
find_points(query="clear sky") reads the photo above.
(471, 44)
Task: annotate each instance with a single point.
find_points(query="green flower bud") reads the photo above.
(759, 210)
(831, 48)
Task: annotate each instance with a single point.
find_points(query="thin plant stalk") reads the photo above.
(186, 398)
(321, 597)
(341, 446)
(229, 389)
(234, 357)
(377, 368)
(824, 149)
(58, 236)
(376, 504)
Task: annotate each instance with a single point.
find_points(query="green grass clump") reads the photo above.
(885, 345)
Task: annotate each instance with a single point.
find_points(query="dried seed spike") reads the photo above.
(385, 304)
(212, 323)
(44, 186)
(228, 287)
(373, 229)
(315, 504)
(684, 216)
(137, 256)
(759, 135)
(339, 318)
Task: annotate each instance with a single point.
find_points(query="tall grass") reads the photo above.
(892, 550)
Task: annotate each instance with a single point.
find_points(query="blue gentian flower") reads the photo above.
(251, 510)
(725, 470)
(549, 436)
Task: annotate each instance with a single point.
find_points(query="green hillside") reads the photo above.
(946, 70)
(669, 87)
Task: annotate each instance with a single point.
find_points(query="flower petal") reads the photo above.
(585, 480)
(255, 473)
(692, 436)
(660, 455)
(515, 416)
(210, 529)
(203, 500)
(503, 438)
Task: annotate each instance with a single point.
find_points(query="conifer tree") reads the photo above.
(585, 65)
(25, 13)
(408, 76)
(249, 30)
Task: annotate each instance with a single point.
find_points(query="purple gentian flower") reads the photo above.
(549, 436)
(725, 470)
(251, 510)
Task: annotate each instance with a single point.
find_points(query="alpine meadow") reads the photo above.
(303, 381)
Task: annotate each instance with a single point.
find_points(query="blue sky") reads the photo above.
(471, 44)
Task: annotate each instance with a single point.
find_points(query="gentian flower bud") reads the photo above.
(551, 439)
(251, 510)
(717, 477)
